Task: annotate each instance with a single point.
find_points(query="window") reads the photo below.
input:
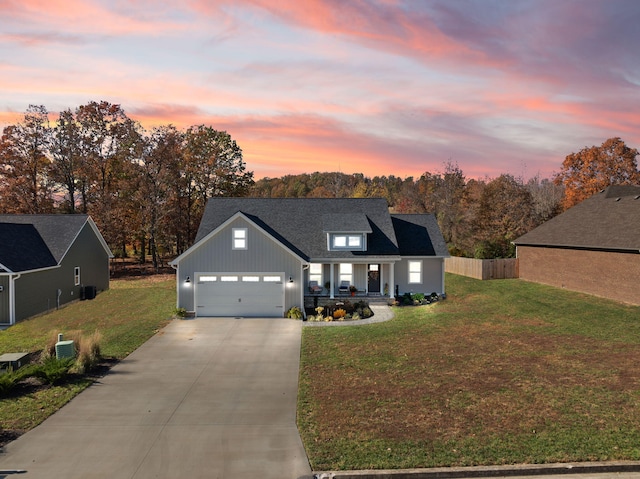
(315, 272)
(250, 279)
(347, 241)
(208, 279)
(346, 272)
(415, 272)
(272, 279)
(239, 238)
(76, 275)
(228, 279)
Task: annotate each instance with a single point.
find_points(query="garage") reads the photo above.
(239, 294)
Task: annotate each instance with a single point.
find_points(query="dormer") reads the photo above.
(346, 231)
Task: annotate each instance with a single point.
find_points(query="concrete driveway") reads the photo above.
(204, 398)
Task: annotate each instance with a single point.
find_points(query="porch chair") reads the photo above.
(314, 288)
(344, 287)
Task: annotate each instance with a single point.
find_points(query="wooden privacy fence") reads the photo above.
(503, 268)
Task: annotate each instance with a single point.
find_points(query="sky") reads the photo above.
(379, 87)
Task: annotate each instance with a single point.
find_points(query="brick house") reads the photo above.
(593, 247)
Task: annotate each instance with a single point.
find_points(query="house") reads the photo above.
(593, 247)
(261, 256)
(47, 261)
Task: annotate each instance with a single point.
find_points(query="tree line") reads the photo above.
(142, 188)
(146, 189)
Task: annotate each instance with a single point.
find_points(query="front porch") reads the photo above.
(330, 282)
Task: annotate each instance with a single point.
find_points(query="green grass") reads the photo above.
(126, 315)
(502, 372)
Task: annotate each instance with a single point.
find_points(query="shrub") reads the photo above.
(294, 313)
(180, 313)
(419, 297)
(53, 371)
(355, 316)
(339, 313)
(88, 352)
(367, 313)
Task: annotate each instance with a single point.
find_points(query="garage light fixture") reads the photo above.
(187, 281)
(290, 279)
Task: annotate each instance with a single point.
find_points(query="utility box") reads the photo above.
(65, 349)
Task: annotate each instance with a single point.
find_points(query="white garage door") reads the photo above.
(240, 294)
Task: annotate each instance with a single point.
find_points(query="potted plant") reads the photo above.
(353, 290)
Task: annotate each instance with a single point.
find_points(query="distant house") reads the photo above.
(261, 256)
(593, 247)
(47, 261)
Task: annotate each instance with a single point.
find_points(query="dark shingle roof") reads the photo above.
(609, 220)
(419, 235)
(57, 231)
(23, 248)
(301, 224)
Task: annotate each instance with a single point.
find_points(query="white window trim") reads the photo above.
(315, 276)
(348, 239)
(76, 276)
(238, 240)
(411, 271)
(345, 276)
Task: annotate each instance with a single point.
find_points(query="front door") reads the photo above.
(373, 278)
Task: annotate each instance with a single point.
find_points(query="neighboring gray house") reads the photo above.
(47, 261)
(261, 256)
(593, 247)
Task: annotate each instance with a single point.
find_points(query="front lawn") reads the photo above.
(502, 372)
(126, 316)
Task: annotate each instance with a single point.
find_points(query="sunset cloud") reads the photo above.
(373, 86)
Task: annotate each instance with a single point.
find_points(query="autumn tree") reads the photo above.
(24, 164)
(505, 212)
(67, 165)
(158, 171)
(213, 166)
(110, 141)
(547, 198)
(585, 173)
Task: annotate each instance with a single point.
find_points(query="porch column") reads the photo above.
(331, 268)
(392, 281)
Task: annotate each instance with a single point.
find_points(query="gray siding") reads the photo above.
(37, 292)
(263, 255)
(432, 274)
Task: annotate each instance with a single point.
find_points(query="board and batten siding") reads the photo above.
(37, 292)
(432, 276)
(263, 255)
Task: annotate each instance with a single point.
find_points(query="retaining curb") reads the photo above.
(487, 471)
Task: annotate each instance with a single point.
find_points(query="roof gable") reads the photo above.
(59, 232)
(609, 220)
(23, 249)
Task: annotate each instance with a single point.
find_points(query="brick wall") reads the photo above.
(610, 275)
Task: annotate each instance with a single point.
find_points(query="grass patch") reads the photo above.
(114, 324)
(502, 372)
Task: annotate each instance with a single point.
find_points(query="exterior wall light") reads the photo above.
(187, 281)
(290, 279)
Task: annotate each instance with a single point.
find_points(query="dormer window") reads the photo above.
(346, 241)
